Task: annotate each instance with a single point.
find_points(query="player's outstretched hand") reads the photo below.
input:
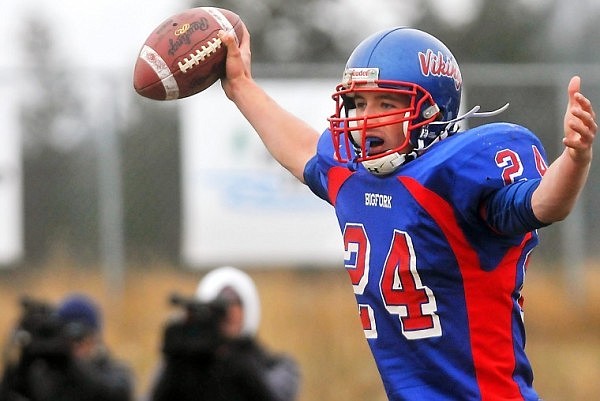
(579, 123)
(238, 61)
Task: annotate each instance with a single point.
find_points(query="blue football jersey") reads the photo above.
(438, 289)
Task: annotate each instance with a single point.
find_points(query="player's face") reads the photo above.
(382, 105)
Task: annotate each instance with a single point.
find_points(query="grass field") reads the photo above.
(311, 315)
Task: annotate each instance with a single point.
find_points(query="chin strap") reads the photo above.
(473, 113)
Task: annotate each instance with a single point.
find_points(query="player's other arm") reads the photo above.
(560, 186)
(290, 140)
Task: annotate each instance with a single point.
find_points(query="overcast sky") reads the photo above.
(105, 33)
(109, 33)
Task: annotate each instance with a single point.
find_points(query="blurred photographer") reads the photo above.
(57, 354)
(211, 352)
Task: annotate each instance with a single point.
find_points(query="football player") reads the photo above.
(437, 224)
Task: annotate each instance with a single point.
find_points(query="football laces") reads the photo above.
(199, 55)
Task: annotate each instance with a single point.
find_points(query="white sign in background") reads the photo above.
(11, 214)
(240, 207)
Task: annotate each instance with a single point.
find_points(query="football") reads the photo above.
(184, 55)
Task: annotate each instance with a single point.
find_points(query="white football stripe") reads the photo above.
(158, 65)
(220, 18)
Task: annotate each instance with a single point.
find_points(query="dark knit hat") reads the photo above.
(78, 308)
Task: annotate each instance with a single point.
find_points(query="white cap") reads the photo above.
(217, 280)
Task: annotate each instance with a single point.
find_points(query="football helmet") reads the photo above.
(402, 61)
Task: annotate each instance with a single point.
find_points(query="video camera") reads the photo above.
(39, 334)
(198, 333)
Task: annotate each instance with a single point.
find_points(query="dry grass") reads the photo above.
(311, 315)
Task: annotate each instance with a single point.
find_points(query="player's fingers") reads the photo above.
(580, 131)
(585, 104)
(582, 148)
(579, 102)
(573, 88)
(580, 124)
(228, 38)
(583, 113)
(578, 135)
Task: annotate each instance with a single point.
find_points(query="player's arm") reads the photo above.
(291, 141)
(560, 186)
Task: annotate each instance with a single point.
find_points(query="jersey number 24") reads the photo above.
(402, 292)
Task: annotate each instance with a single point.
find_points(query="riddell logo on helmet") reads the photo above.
(360, 74)
(438, 65)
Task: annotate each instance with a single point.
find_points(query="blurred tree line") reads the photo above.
(61, 167)
(60, 158)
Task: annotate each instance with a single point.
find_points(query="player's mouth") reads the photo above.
(374, 145)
